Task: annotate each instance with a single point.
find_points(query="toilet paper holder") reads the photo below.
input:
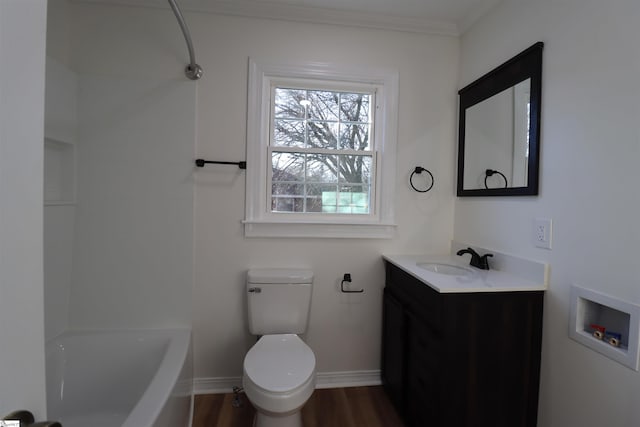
(347, 278)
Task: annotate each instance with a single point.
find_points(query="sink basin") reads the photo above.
(444, 268)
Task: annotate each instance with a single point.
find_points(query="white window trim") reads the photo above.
(261, 223)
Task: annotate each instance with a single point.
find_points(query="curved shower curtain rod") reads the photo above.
(193, 70)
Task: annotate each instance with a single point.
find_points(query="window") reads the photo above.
(320, 140)
(321, 151)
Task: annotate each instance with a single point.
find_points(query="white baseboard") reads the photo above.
(216, 385)
(348, 379)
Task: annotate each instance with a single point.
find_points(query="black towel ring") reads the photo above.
(419, 170)
(491, 172)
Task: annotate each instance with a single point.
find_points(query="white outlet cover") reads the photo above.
(542, 232)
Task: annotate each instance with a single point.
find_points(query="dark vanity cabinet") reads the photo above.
(460, 359)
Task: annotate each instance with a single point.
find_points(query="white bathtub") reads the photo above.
(138, 378)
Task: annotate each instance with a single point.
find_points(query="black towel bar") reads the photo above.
(201, 162)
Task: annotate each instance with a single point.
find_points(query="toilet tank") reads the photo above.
(278, 300)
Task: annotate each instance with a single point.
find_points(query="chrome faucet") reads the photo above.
(476, 260)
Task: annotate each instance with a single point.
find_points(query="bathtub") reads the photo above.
(137, 378)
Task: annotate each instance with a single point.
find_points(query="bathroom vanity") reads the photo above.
(461, 346)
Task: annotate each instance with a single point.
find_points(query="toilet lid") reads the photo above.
(279, 362)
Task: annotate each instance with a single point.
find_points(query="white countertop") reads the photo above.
(475, 281)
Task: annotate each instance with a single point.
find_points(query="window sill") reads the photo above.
(319, 229)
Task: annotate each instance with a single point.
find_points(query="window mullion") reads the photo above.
(325, 151)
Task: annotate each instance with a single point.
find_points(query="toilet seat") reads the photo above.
(279, 372)
(279, 363)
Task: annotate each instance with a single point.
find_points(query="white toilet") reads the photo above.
(280, 369)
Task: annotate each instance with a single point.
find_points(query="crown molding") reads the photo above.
(300, 13)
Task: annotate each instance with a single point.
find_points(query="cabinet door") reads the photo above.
(493, 341)
(423, 375)
(393, 350)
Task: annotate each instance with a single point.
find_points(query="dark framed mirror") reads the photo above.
(499, 129)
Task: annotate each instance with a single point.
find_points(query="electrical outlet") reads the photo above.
(542, 233)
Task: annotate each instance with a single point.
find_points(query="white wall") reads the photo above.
(590, 148)
(61, 124)
(122, 255)
(133, 243)
(21, 134)
(344, 331)
(59, 31)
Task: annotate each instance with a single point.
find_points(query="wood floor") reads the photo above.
(336, 407)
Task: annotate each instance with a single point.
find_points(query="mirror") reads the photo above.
(499, 129)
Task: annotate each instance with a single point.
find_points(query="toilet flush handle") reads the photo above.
(255, 290)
